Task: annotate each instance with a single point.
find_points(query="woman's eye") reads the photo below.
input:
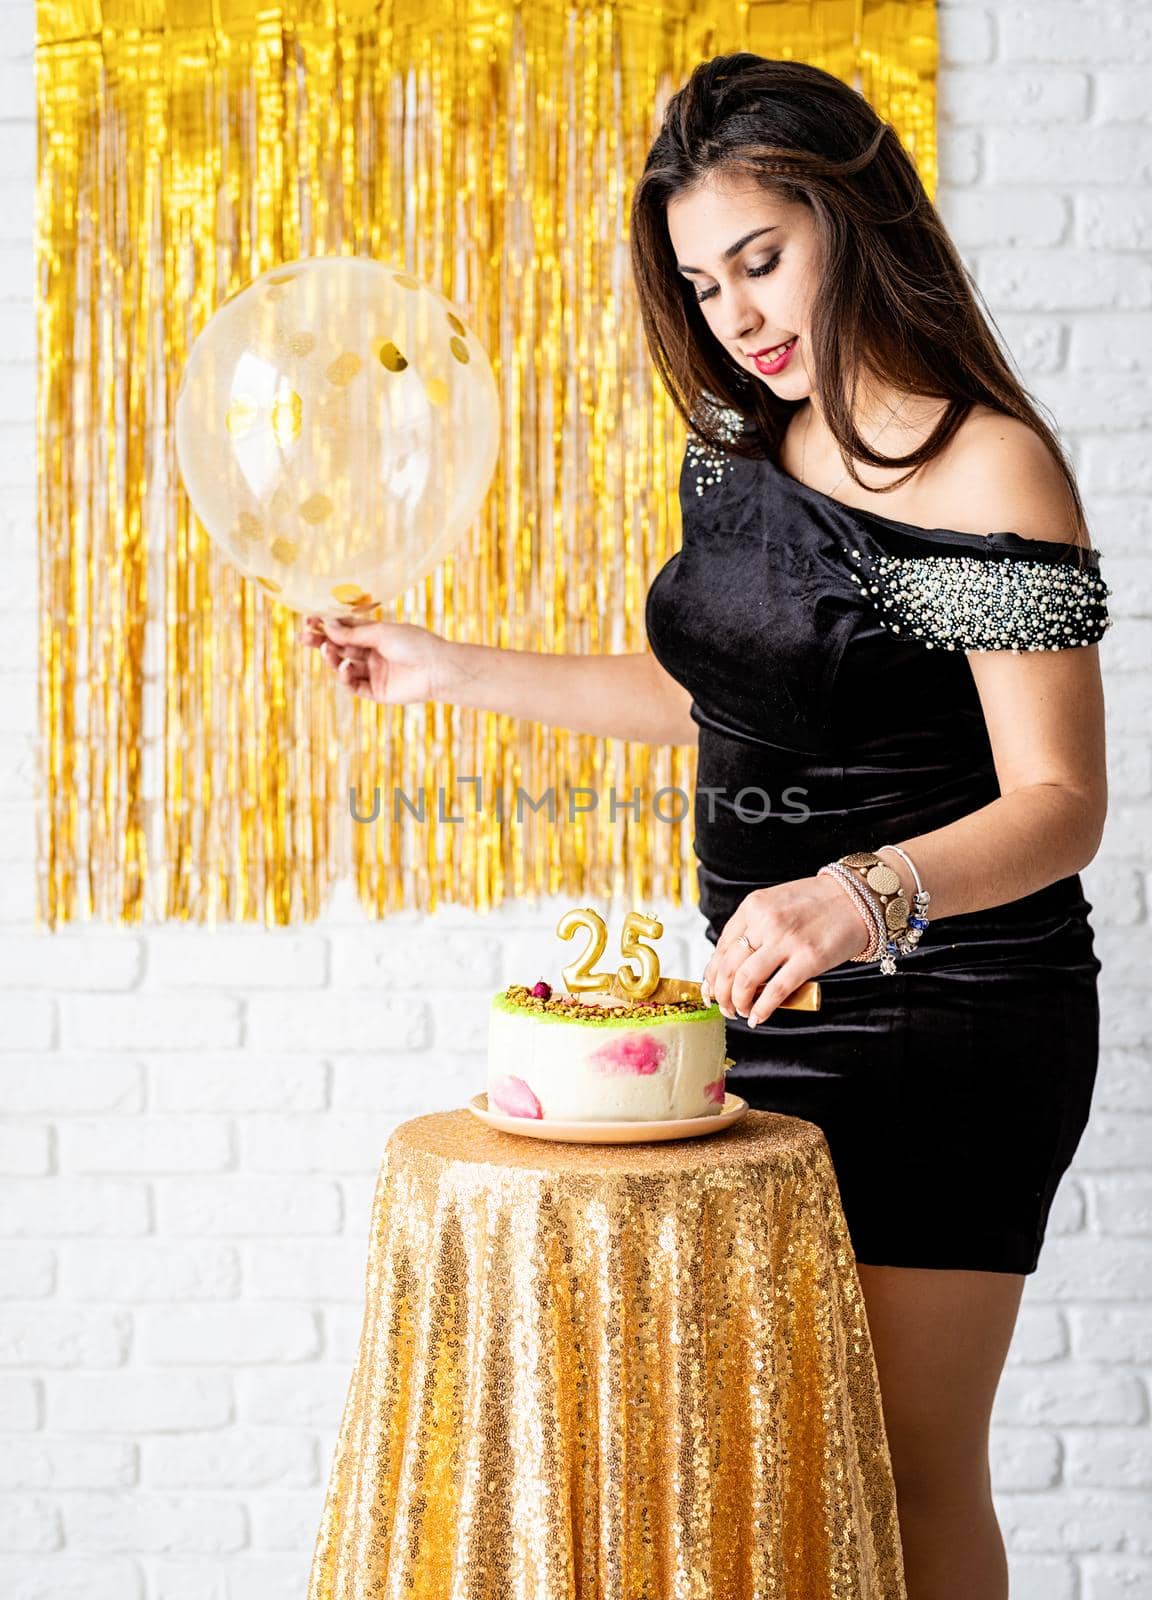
(753, 272)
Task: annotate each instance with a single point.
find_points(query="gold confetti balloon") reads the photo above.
(337, 427)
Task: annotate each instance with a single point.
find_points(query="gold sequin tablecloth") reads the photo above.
(610, 1372)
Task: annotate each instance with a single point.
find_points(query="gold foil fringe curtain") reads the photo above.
(197, 762)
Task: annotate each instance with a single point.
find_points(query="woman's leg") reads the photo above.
(941, 1338)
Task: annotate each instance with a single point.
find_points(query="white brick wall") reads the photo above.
(193, 1122)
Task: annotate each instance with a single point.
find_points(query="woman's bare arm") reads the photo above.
(611, 696)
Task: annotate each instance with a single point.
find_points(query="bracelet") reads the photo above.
(864, 905)
(917, 921)
(865, 910)
(904, 856)
(895, 926)
(884, 881)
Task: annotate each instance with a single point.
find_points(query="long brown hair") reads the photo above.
(894, 302)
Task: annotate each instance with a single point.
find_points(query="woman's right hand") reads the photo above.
(392, 663)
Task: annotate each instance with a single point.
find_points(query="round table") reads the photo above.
(610, 1372)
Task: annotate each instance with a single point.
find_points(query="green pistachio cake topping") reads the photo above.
(567, 1008)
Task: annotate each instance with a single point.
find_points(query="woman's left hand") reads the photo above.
(799, 929)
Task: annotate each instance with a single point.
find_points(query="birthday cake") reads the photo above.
(605, 1056)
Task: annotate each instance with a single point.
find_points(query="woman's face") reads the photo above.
(756, 299)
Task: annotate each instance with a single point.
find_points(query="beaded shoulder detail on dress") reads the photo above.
(978, 602)
(706, 464)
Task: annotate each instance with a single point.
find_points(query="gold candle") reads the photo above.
(578, 976)
(635, 925)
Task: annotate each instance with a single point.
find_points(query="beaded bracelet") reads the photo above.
(867, 906)
(864, 904)
(877, 893)
(878, 877)
(917, 921)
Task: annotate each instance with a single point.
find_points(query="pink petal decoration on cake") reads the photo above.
(635, 1053)
(714, 1091)
(514, 1098)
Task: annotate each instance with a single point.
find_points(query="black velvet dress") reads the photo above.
(824, 649)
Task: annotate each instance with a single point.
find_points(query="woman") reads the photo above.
(882, 626)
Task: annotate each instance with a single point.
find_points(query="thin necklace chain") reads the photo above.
(844, 474)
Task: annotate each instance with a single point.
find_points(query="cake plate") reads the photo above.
(611, 1132)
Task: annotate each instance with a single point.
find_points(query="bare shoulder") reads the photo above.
(996, 475)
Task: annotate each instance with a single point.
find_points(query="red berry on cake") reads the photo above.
(542, 990)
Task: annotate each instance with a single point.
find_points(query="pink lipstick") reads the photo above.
(770, 368)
